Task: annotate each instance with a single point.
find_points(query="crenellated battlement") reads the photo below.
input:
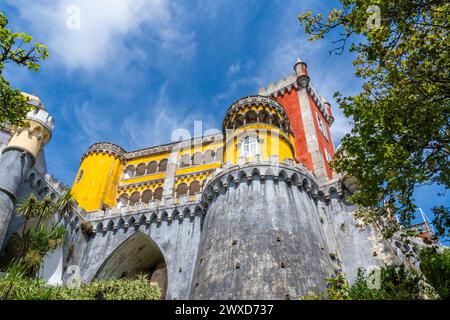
(279, 87)
(289, 83)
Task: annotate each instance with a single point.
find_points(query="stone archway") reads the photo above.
(136, 255)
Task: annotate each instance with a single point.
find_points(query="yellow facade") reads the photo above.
(110, 177)
(272, 142)
(96, 183)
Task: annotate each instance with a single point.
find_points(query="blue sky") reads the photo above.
(138, 69)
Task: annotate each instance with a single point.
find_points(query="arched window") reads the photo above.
(129, 172)
(123, 200)
(152, 167)
(275, 121)
(182, 189)
(264, 117)
(162, 165)
(135, 198)
(147, 196)
(140, 170)
(250, 117)
(250, 147)
(238, 121)
(157, 195)
(194, 187)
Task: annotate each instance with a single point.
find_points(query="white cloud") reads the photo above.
(105, 28)
(234, 69)
(157, 124)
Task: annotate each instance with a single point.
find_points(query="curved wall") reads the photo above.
(261, 237)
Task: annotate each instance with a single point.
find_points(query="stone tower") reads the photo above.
(19, 157)
(261, 238)
(311, 118)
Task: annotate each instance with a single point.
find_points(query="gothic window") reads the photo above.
(250, 147)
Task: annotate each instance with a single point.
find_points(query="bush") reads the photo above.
(16, 287)
(395, 283)
(435, 266)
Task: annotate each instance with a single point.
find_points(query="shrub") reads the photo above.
(395, 283)
(16, 287)
(435, 265)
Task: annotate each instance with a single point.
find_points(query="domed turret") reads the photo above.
(256, 128)
(98, 177)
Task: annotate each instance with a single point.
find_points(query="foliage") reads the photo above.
(17, 48)
(395, 283)
(35, 241)
(435, 265)
(400, 136)
(14, 286)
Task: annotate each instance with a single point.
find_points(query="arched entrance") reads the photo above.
(137, 255)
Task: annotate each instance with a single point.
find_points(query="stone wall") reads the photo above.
(175, 231)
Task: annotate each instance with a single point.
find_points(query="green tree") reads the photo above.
(400, 136)
(435, 265)
(39, 236)
(16, 48)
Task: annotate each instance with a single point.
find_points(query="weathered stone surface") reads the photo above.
(177, 241)
(14, 164)
(275, 225)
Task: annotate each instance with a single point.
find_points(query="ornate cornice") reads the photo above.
(106, 147)
(255, 101)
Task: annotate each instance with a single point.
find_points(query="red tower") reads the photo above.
(310, 117)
